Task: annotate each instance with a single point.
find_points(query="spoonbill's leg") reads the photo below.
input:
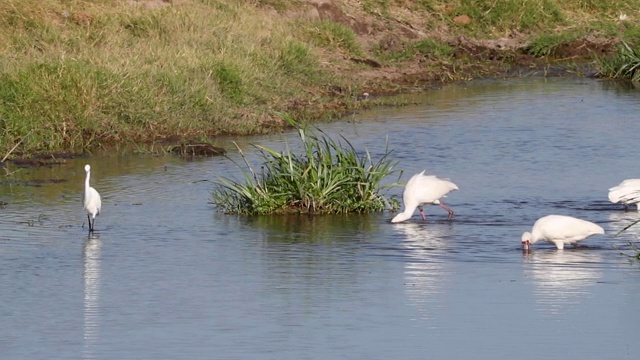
(424, 217)
(451, 213)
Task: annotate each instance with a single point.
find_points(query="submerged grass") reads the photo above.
(625, 65)
(634, 246)
(328, 177)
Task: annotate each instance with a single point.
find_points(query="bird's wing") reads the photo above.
(96, 200)
(431, 188)
(628, 192)
(565, 228)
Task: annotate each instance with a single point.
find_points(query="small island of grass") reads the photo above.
(328, 177)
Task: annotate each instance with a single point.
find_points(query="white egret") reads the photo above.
(424, 190)
(91, 199)
(627, 193)
(560, 230)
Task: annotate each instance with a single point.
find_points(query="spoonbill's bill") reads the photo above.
(627, 193)
(424, 190)
(560, 230)
(91, 199)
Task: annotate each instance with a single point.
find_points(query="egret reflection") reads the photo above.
(562, 278)
(91, 274)
(426, 270)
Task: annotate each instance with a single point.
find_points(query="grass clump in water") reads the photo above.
(329, 177)
(625, 65)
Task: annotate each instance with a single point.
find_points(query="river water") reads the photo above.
(168, 277)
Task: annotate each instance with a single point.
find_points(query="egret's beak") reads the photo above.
(526, 244)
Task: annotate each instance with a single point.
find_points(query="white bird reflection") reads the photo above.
(91, 275)
(562, 278)
(425, 268)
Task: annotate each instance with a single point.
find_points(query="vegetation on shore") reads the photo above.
(328, 177)
(80, 75)
(624, 65)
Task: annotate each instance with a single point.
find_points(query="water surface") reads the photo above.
(168, 277)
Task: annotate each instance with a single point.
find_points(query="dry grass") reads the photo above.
(92, 72)
(82, 74)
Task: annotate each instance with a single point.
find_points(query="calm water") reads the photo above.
(168, 277)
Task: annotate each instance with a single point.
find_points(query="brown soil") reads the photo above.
(503, 56)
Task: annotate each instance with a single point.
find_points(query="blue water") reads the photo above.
(169, 277)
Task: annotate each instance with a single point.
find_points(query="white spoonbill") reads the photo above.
(424, 190)
(627, 193)
(560, 230)
(91, 199)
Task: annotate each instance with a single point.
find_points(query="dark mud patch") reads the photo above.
(192, 150)
(39, 160)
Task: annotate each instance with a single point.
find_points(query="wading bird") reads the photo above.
(627, 193)
(424, 190)
(560, 230)
(91, 199)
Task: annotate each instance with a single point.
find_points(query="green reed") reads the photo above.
(633, 245)
(625, 65)
(326, 177)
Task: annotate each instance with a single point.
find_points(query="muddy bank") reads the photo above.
(363, 52)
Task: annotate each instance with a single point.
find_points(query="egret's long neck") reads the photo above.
(86, 182)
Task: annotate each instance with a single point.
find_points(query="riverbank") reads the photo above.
(92, 74)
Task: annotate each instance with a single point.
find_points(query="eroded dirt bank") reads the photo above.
(386, 65)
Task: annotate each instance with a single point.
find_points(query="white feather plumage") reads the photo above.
(422, 190)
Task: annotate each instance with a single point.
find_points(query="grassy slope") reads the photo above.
(76, 75)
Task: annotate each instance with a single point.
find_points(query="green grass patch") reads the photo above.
(376, 7)
(296, 60)
(631, 33)
(84, 74)
(229, 81)
(506, 15)
(88, 74)
(427, 48)
(546, 44)
(328, 177)
(601, 6)
(625, 65)
(432, 48)
(331, 35)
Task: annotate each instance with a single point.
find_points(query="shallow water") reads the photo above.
(167, 277)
